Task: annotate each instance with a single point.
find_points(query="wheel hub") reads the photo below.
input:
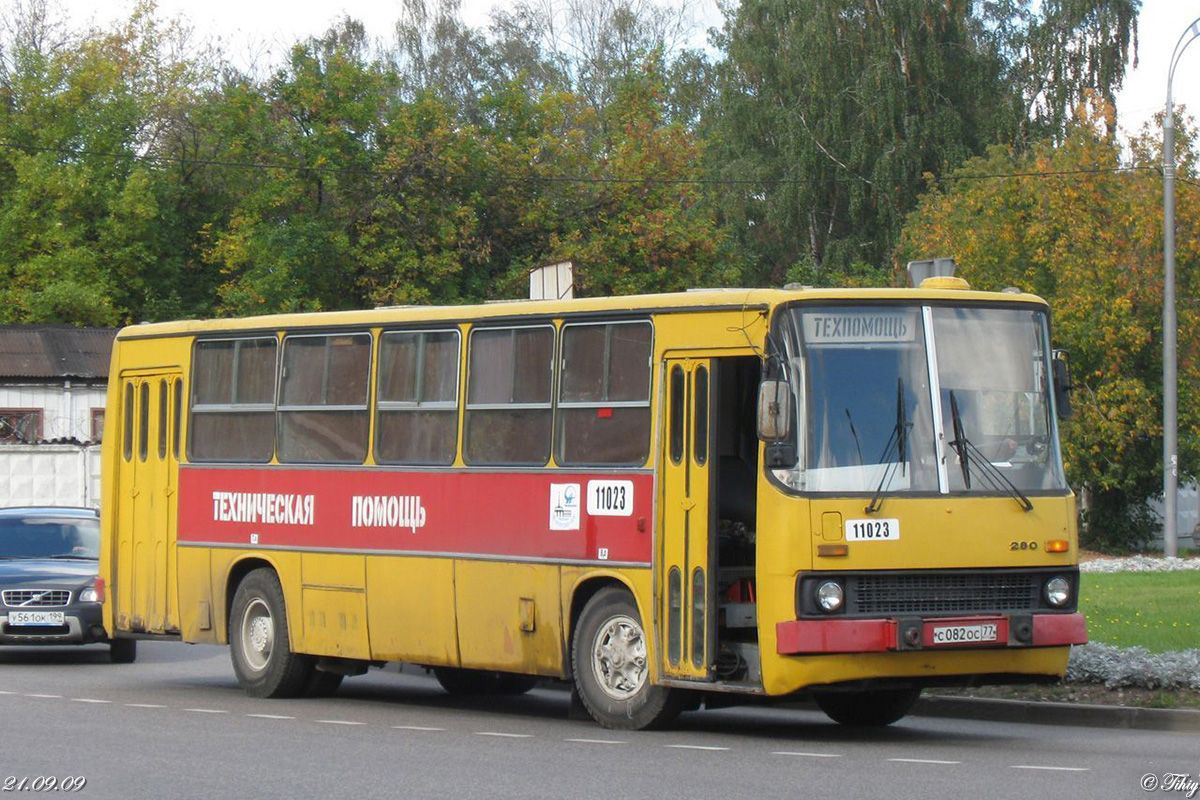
(258, 634)
(619, 657)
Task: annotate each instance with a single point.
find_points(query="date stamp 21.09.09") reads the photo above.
(42, 783)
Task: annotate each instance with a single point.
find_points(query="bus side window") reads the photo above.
(233, 400)
(700, 440)
(323, 416)
(127, 433)
(417, 398)
(604, 394)
(509, 379)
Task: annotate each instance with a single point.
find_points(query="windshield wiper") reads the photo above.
(900, 438)
(997, 481)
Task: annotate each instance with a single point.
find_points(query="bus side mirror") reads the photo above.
(1060, 363)
(774, 411)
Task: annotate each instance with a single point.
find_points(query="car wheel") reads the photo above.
(869, 708)
(258, 640)
(611, 667)
(122, 651)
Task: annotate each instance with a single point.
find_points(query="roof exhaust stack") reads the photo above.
(552, 282)
(920, 271)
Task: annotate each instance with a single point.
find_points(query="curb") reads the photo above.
(1048, 713)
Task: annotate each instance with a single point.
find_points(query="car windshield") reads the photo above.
(49, 536)
(867, 398)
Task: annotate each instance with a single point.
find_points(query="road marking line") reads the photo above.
(1056, 769)
(597, 741)
(145, 705)
(505, 735)
(88, 700)
(54, 696)
(5, 692)
(207, 710)
(806, 755)
(695, 747)
(270, 716)
(922, 761)
(339, 722)
(416, 728)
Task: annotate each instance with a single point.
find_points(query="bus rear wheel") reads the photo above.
(259, 643)
(611, 667)
(481, 681)
(874, 708)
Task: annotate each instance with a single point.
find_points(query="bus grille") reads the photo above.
(36, 598)
(944, 593)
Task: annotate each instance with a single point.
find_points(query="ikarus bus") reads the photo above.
(848, 494)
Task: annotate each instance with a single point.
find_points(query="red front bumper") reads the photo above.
(813, 636)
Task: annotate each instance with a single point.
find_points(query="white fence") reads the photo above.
(50, 475)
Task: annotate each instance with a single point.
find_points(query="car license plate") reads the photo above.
(964, 634)
(23, 618)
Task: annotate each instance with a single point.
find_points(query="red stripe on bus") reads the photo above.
(472, 513)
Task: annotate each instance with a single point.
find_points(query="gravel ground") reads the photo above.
(1134, 667)
(1140, 564)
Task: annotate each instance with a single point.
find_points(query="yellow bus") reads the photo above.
(843, 494)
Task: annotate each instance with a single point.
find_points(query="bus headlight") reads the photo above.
(830, 596)
(1058, 591)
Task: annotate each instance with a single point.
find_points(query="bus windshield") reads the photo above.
(868, 398)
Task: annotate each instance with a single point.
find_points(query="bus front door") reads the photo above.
(686, 639)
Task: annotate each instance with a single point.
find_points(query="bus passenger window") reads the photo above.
(323, 415)
(508, 396)
(700, 436)
(604, 394)
(144, 421)
(676, 412)
(178, 417)
(233, 400)
(162, 419)
(417, 399)
(127, 433)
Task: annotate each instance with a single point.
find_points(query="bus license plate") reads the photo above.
(23, 618)
(964, 634)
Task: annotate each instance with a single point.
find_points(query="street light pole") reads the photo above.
(1170, 377)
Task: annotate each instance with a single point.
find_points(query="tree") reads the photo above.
(1084, 230)
(831, 111)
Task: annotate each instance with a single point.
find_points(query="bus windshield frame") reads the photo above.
(874, 384)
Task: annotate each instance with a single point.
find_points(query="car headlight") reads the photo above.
(830, 596)
(1058, 591)
(89, 595)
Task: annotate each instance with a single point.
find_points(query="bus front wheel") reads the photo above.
(258, 640)
(611, 668)
(867, 708)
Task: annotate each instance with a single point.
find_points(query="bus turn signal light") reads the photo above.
(1058, 546)
(833, 550)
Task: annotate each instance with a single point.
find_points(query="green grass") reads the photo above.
(1159, 611)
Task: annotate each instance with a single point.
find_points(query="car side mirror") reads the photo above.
(774, 411)
(1060, 363)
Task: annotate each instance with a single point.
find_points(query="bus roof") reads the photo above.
(697, 300)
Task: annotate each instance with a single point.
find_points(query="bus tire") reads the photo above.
(611, 668)
(258, 639)
(873, 708)
(122, 651)
(480, 681)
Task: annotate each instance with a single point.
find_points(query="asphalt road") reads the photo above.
(175, 724)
